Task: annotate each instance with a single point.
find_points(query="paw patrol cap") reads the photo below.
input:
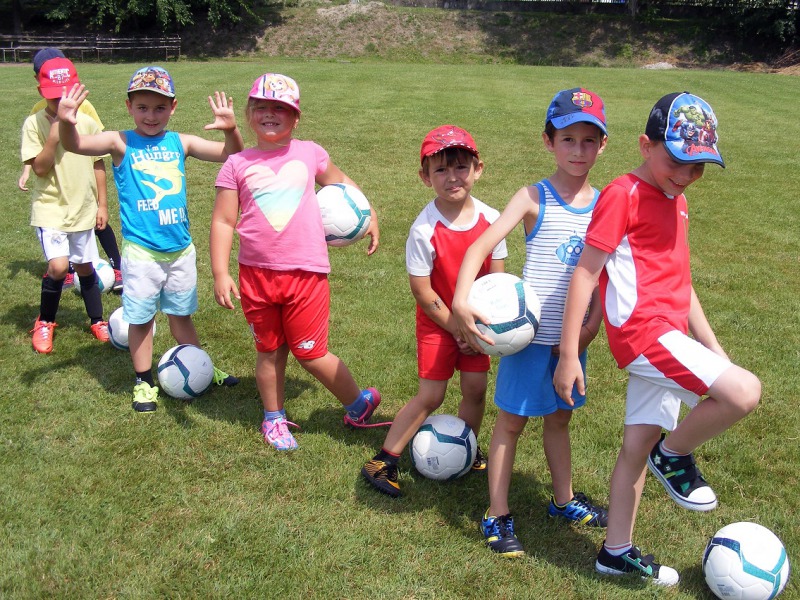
(687, 126)
(447, 136)
(274, 86)
(576, 105)
(152, 79)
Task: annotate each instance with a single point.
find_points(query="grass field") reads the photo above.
(99, 502)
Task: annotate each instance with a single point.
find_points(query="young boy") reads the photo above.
(68, 201)
(103, 231)
(555, 213)
(436, 244)
(637, 247)
(158, 256)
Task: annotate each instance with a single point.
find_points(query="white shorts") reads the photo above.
(80, 247)
(673, 370)
(158, 280)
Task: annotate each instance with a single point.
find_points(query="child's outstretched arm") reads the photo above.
(581, 287)
(224, 121)
(465, 315)
(223, 222)
(106, 142)
(334, 174)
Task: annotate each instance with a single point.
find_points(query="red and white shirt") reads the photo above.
(435, 248)
(646, 282)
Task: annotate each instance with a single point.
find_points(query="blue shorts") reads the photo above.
(525, 383)
(158, 280)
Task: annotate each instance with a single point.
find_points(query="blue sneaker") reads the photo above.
(580, 511)
(372, 398)
(499, 534)
(682, 479)
(222, 378)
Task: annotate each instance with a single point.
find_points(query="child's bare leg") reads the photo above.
(556, 442)
(409, 419)
(331, 372)
(271, 377)
(502, 451)
(140, 343)
(182, 329)
(627, 481)
(473, 399)
(57, 268)
(734, 394)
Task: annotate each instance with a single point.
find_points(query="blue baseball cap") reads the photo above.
(43, 55)
(688, 127)
(576, 105)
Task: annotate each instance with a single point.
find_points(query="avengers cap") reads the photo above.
(688, 127)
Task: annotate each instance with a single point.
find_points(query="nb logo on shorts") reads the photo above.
(307, 345)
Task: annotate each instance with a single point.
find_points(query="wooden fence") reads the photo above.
(21, 48)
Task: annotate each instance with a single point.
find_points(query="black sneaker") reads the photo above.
(481, 460)
(499, 534)
(580, 511)
(382, 476)
(682, 479)
(632, 561)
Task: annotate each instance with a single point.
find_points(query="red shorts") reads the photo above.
(286, 307)
(438, 361)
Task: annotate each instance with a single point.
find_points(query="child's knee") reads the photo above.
(739, 389)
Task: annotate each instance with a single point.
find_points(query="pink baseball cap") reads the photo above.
(447, 136)
(56, 74)
(277, 87)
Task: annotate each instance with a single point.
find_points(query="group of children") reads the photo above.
(620, 255)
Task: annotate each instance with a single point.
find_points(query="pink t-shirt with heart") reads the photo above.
(280, 226)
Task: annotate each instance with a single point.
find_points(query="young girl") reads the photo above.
(283, 257)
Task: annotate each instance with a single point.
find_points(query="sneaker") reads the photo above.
(145, 397)
(382, 476)
(499, 534)
(632, 561)
(69, 281)
(43, 336)
(276, 432)
(682, 479)
(117, 287)
(481, 461)
(100, 330)
(580, 511)
(372, 399)
(222, 378)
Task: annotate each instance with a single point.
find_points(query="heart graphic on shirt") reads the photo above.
(277, 194)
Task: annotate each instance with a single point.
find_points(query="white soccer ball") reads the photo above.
(745, 561)
(185, 372)
(105, 277)
(345, 213)
(118, 330)
(443, 448)
(513, 308)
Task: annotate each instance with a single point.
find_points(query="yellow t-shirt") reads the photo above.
(86, 108)
(65, 198)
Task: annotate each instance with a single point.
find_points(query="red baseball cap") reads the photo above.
(447, 136)
(55, 75)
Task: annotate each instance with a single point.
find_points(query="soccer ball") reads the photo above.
(745, 561)
(118, 330)
(513, 308)
(185, 372)
(443, 448)
(345, 213)
(105, 277)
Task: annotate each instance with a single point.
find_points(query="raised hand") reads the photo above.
(70, 101)
(222, 107)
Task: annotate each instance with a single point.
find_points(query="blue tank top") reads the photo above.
(151, 182)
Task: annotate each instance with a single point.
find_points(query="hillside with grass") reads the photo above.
(372, 30)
